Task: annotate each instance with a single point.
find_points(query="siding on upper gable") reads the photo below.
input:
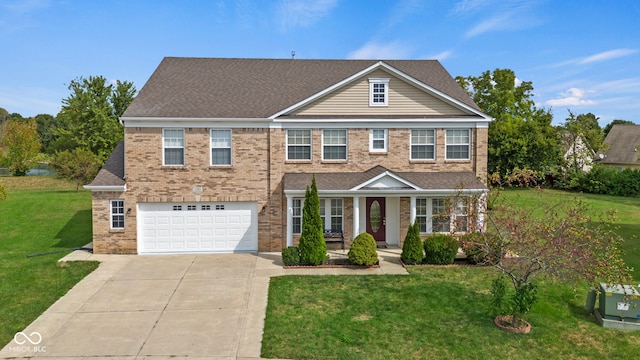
(404, 99)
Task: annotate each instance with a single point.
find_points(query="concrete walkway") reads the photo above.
(166, 307)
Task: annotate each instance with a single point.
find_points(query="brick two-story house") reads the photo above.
(217, 154)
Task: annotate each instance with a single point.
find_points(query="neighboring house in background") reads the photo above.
(578, 155)
(621, 147)
(217, 154)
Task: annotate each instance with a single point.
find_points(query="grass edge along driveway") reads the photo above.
(40, 214)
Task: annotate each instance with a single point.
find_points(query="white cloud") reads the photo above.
(506, 16)
(303, 13)
(441, 56)
(372, 50)
(607, 55)
(572, 97)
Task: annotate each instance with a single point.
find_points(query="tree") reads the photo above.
(79, 165)
(608, 127)
(46, 129)
(89, 116)
(562, 242)
(521, 134)
(313, 249)
(20, 146)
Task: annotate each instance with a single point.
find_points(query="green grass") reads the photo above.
(442, 312)
(434, 313)
(627, 212)
(39, 215)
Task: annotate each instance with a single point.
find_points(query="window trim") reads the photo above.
(454, 214)
(164, 147)
(211, 148)
(298, 203)
(411, 144)
(385, 140)
(113, 215)
(310, 145)
(372, 85)
(345, 145)
(468, 144)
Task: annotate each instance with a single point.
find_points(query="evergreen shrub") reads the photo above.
(412, 251)
(291, 256)
(440, 249)
(363, 250)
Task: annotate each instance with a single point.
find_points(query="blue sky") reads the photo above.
(581, 55)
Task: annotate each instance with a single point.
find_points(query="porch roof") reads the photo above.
(111, 175)
(381, 179)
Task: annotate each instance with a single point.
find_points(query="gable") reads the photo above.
(623, 142)
(220, 88)
(405, 99)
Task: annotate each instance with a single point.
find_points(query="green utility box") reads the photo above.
(619, 302)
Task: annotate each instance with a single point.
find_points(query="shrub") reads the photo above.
(363, 250)
(440, 249)
(412, 251)
(291, 256)
(313, 248)
(471, 245)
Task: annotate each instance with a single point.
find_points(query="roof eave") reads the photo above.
(112, 188)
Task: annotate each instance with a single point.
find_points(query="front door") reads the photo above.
(376, 219)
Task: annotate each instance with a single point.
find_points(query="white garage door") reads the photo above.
(197, 227)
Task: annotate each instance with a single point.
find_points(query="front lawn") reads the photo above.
(40, 214)
(434, 313)
(442, 312)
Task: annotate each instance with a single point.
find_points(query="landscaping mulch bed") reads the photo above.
(333, 263)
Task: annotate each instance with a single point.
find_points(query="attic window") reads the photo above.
(378, 92)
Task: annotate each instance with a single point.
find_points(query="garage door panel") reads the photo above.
(205, 227)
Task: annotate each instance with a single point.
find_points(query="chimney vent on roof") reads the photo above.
(293, 54)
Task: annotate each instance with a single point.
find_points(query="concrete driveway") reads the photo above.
(160, 307)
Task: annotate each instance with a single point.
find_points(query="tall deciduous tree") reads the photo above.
(313, 249)
(579, 132)
(79, 165)
(20, 146)
(89, 116)
(521, 135)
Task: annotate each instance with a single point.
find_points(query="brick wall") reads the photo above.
(249, 178)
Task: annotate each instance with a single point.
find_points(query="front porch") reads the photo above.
(384, 204)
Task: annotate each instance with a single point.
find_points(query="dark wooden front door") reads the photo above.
(376, 218)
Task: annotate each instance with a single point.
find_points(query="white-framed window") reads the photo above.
(422, 215)
(440, 218)
(297, 215)
(173, 146)
(332, 210)
(378, 140)
(334, 144)
(116, 214)
(423, 144)
(298, 144)
(220, 147)
(436, 215)
(458, 144)
(378, 92)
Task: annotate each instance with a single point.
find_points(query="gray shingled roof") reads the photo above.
(259, 88)
(623, 143)
(348, 180)
(112, 172)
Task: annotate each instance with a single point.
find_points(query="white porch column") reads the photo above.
(412, 217)
(289, 221)
(356, 216)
